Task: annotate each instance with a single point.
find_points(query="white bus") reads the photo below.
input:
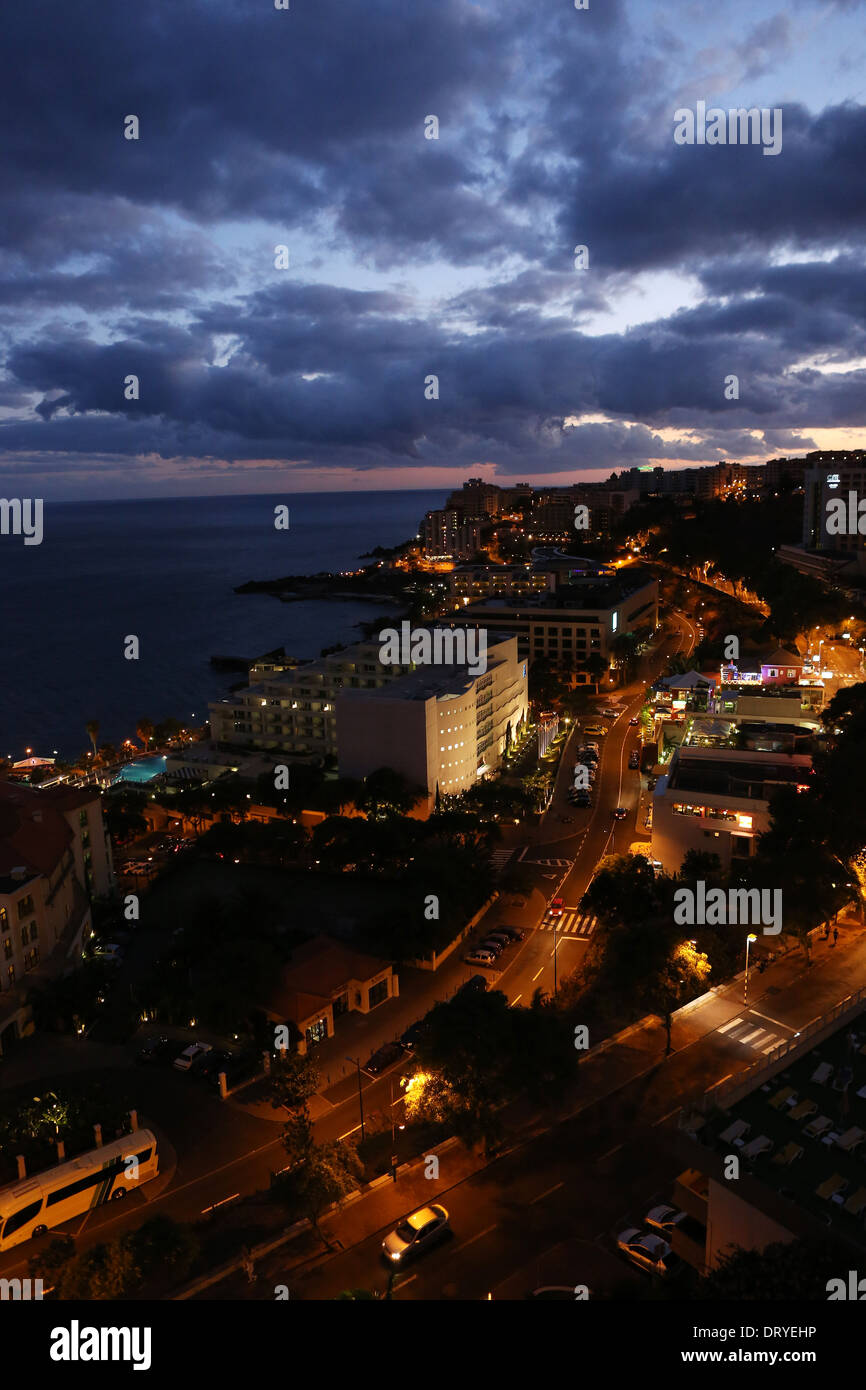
(33, 1205)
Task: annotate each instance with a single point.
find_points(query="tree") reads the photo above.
(293, 1081)
(477, 1055)
(92, 727)
(386, 792)
(144, 731)
(319, 1174)
(797, 1269)
(161, 1243)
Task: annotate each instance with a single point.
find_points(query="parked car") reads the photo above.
(383, 1057)
(583, 800)
(109, 951)
(191, 1055)
(480, 958)
(502, 937)
(238, 1066)
(491, 944)
(664, 1219)
(414, 1033)
(648, 1252)
(416, 1234)
(213, 1064)
(597, 730)
(475, 982)
(157, 1049)
(513, 933)
(620, 813)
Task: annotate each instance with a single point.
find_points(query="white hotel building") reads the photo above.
(440, 727)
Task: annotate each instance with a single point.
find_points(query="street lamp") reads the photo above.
(356, 1062)
(749, 939)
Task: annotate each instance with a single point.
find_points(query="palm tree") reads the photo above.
(92, 727)
(144, 730)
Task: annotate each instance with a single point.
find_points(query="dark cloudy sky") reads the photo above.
(410, 256)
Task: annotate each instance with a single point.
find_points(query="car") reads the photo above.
(620, 813)
(490, 943)
(634, 760)
(634, 721)
(109, 951)
(415, 1032)
(213, 1064)
(648, 1252)
(480, 958)
(513, 933)
(500, 936)
(556, 908)
(191, 1055)
(420, 1231)
(583, 800)
(157, 1049)
(664, 1219)
(383, 1057)
(238, 1066)
(597, 730)
(475, 983)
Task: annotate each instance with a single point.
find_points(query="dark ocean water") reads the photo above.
(164, 570)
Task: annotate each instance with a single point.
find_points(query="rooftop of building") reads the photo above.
(319, 971)
(34, 834)
(812, 1118)
(582, 597)
(735, 772)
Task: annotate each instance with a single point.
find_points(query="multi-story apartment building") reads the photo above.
(475, 500)
(294, 710)
(446, 536)
(569, 626)
(828, 482)
(441, 727)
(717, 800)
(55, 857)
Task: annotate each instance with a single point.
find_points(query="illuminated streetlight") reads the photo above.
(749, 939)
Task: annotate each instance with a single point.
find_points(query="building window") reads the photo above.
(25, 907)
(378, 992)
(7, 947)
(10, 976)
(341, 1004)
(31, 958)
(740, 846)
(317, 1032)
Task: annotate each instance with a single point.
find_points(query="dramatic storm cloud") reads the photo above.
(411, 257)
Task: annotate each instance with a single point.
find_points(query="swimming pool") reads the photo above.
(142, 771)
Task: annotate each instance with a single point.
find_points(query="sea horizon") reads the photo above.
(167, 574)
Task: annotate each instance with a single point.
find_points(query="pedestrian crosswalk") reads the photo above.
(746, 1032)
(500, 857)
(571, 923)
(550, 863)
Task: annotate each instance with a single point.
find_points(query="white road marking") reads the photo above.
(732, 1023)
(748, 1037)
(472, 1239)
(541, 1196)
